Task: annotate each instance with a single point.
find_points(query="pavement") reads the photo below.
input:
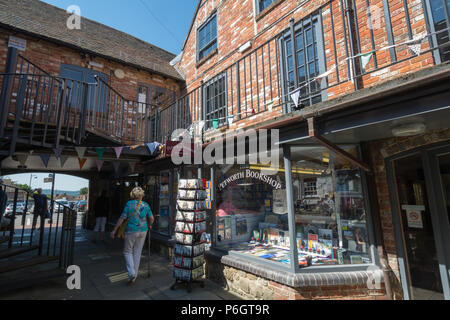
(104, 277)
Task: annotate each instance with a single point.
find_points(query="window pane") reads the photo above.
(264, 4)
(208, 38)
(329, 208)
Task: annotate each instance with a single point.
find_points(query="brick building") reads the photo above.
(354, 97)
(357, 91)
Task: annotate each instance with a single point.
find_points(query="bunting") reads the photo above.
(365, 59)
(99, 164)
(152, 147)
(80, 151)
(45, 159)
(100, 152)
(82, 162)
(322, 76)
(118, 151)
(22, 159)
(63, 160)
(215, 123)
(58, 151)
(415, 45)
(230, 120)
(296, 97)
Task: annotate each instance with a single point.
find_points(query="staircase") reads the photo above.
(46, 111)
(30, 257)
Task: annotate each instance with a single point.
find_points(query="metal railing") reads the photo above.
(56, 236)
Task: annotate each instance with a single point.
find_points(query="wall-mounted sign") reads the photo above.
(250, 174)
(18, 43)
(414, 216)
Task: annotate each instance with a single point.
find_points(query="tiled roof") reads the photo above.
(39, 18)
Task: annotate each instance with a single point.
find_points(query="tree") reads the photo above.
(84, 191)
(25, 187)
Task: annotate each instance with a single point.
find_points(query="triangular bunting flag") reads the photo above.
(230, 120)
(365, 59)
(116, 165)
(152, 147)
(322, 76)
(58, 151)
(82, 162)
(22, 159)
(416, 47)
(132, 166)
(100, 152)
(45, 159)
(295, 97)
(80, 151)
(215, 123)
(99, 164)
(63, 160)
(118, 151)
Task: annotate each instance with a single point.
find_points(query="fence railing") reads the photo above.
(56, 235)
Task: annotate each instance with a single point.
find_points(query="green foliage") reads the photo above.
(84, 191)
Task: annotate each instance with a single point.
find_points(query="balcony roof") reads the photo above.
(46, 21)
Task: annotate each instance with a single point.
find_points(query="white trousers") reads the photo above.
(100, 224)
(134, 242)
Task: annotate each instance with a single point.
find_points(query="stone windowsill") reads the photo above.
(204, 59)
(296, 280)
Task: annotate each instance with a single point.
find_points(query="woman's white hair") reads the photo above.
(136, 193)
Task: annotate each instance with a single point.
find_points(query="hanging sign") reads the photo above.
(18, 43)
(414, 216)
(280, 201)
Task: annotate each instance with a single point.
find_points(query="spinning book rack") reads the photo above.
(189, 250)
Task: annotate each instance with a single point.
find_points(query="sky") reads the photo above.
(62, 182)
(163, 23)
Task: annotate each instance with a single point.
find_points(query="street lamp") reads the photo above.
(31, 179)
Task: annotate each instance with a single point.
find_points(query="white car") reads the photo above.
(20, 208)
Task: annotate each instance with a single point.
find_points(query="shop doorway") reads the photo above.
(420, 195)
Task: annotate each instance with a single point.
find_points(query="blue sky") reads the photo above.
(62, 182)
(164, 23)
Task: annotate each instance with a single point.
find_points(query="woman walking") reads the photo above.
(140, 220)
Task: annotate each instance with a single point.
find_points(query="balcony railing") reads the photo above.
(343, 46)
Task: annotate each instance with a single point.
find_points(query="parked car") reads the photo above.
(72, 204)
(81, 206)
(59, 205)
(20, 208)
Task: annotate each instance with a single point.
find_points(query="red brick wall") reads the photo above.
(238, 23)
(50, 56)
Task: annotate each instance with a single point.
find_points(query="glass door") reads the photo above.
(417, 229)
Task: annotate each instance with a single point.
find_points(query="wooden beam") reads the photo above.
(313, 134)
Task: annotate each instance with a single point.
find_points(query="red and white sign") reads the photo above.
(414, 216)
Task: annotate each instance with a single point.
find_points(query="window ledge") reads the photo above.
(204, 59)
(300, 280)
(263, 13)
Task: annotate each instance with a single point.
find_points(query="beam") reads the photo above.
(313, 134)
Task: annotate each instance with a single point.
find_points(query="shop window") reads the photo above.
(251, 215)
(207, 38)
(215, 94)
(162, 216)
(330, 215)
(306, 60)
(440, 12)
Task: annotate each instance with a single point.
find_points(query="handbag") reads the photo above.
(123, 226)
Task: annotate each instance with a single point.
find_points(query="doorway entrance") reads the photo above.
(419, 184)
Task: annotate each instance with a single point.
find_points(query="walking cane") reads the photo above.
(148, 259)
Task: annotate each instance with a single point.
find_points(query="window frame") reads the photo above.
(211, 43)
(311, 22)
(207, 115)
(437, 54)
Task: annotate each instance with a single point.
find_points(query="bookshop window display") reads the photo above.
(330, 213)
(330, 217)
(251, 216)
